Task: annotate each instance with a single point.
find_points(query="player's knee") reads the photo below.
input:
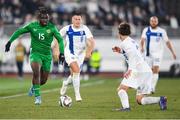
(121, 91)
(138, 99)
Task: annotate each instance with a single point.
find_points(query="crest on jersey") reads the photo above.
(48, 31)
(34, 29)
(81, 32)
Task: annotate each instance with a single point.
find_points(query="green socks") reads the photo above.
(36, 90)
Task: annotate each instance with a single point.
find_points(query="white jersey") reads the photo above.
(75, 43)
(75, 38)
(141, 75)
(154, 40)
(131, 52)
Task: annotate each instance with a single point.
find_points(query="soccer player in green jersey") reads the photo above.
(42, 33)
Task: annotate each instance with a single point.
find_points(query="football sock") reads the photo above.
(154, 81)
(124, 98)
(150, 100)
(36, 88)
(76, 83)
(68, 80)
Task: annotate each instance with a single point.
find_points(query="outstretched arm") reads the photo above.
(15, 35)
(169, 45)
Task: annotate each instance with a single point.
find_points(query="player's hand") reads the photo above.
(61, 58)
(127, 74)
(7, 47)
(116, 49)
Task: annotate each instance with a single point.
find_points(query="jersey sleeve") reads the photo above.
(19, 31)
(164, 35)
(59, 39)
(63, 31)
(88, 32)
(144, 33)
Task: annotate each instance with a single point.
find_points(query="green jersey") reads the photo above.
(41, 37)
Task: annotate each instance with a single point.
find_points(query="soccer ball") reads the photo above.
(65, 101)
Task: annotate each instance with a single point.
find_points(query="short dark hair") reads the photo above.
(124, 29)
(77, 12)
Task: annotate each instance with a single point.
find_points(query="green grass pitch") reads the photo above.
(99, 98)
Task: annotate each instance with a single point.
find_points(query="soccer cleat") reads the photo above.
(37, 100)
(163, 103)
(122, 109)
(31, 92)
(78, 98)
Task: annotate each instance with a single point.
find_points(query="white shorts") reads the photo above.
(154, 59)
(140, 79)
(69, 57)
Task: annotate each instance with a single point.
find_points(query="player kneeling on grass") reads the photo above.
(42, 33)
(138, 75)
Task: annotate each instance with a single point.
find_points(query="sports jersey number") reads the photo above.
(41, 36)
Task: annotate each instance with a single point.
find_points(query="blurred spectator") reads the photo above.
(55, 50)
(66, 70)
(173, 22)
(95, 62)
(97, 13)
(1, 28)
(20, 52)
(1, 59)
(85, 70)
(55, 69)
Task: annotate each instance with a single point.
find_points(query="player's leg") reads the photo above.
(145, 89)
(76, 79)
(155, 68)
(65, 84)
(66, 80)
(155, 78)
(45, 69)
(36, 81)
(147, 100)
(44, 76)
(122, 93)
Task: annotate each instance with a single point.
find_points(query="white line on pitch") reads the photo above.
(52, 90)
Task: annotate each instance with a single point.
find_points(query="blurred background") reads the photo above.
(102, 17)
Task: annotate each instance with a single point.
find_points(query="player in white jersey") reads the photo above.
(79, 45)
(138, 75)
(153, 38)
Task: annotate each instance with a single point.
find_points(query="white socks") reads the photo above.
(124, 98)
(154, 81)
(68, 80)
(76, 83)
(65, 85)
(150, 100)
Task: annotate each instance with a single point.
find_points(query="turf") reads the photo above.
(99, 98)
